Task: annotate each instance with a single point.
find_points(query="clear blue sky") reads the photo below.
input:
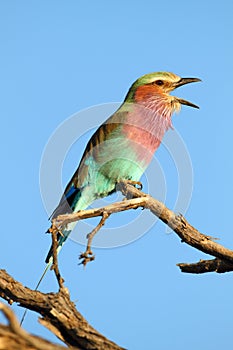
(58, 58)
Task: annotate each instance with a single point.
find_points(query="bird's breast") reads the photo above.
(144, 130)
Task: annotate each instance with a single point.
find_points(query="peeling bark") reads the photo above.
(59, 313)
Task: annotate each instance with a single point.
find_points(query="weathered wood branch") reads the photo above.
(13, 337)
(203, 266)
(59, 313)
(176, 222)
(88, 256)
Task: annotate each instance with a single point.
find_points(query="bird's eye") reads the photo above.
(158, 82)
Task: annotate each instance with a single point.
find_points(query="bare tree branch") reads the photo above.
(14, 337)
(177, 223)
(59, 313)
(88, 256)
(54, 267)
(203, 266)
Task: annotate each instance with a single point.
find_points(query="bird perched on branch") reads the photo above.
(123, 146)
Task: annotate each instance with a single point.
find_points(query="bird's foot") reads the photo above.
(136, 184)
(121, 187)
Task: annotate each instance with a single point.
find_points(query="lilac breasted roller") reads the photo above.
(123, 146)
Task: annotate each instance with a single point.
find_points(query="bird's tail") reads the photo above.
(68, 204)
(71, 199)
(49, 264)
(61, 238)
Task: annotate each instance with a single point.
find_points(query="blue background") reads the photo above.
(59, 57)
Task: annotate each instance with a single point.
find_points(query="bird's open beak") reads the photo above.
(184, 81)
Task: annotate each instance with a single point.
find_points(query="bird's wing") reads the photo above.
(80, 178)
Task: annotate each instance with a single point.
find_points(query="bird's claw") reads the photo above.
(136, 184)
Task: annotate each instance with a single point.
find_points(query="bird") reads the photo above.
(123, 146)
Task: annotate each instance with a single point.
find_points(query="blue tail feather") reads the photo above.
(61, 238)
(66, 205)
(68, 202)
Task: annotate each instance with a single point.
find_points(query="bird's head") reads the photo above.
(154, 86)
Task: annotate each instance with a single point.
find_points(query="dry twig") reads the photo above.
(59, 313)
(53, 231)
(88, 254)
(177, 223)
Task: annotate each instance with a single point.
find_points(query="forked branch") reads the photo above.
(186, 232)
(59, 313)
